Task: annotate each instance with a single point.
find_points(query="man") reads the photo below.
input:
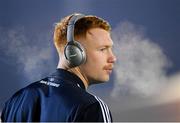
(84, 46)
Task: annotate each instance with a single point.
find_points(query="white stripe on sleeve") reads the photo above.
(105, 110)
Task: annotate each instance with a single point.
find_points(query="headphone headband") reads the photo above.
(71, 25)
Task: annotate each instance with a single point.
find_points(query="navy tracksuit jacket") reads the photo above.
(60, 97)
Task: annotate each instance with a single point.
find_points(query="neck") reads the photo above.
(77, 72)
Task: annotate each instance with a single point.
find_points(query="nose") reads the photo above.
(112, 58)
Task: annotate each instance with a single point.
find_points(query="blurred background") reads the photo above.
(145, 85)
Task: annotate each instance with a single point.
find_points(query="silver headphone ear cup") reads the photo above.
(75, 54)
(83, 52)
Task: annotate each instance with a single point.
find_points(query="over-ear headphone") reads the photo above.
(74, 51)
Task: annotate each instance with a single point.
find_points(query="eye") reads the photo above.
(103, 49)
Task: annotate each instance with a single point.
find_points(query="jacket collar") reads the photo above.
(69, 77)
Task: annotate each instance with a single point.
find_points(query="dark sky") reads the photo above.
(159, 17)
(32, 21)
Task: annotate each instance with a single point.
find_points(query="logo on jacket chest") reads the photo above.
(49, 83)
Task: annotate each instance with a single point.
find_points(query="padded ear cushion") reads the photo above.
(75, 54)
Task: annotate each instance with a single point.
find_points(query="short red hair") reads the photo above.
(81, 28)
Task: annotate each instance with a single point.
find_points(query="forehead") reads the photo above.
(97, 37)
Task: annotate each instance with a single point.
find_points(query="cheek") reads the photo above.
(95, 58)
(95, 63)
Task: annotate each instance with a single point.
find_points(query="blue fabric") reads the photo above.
(61, 97)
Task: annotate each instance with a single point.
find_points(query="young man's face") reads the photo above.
(100, 58)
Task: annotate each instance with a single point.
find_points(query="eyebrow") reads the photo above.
(107, 46)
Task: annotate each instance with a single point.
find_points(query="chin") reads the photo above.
(104, 79)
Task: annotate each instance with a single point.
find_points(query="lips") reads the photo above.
(108, 68)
